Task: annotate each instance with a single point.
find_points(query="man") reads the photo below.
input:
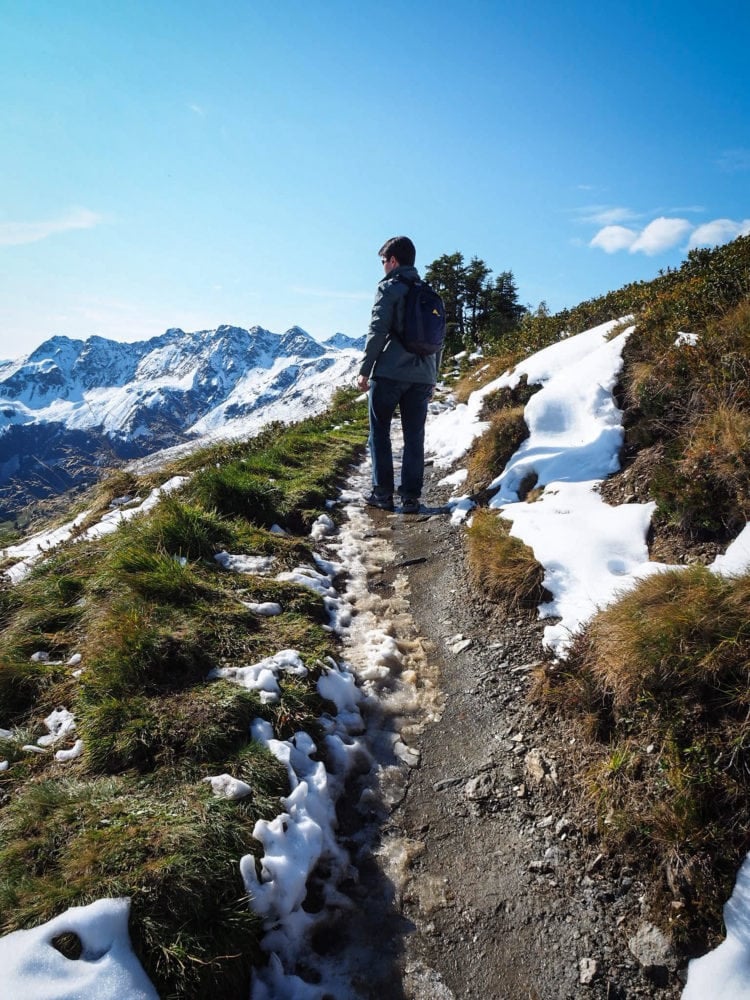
(396, 377)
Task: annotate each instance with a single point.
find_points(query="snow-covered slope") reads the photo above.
(72, 405)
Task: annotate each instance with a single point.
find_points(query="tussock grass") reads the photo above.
(502, 566)
(22, 684)
(131, 650)
(659, 682)
(703, 485)
(678, 632)
(235, 491)
(184, 530)
(157, 576)
(492, 451)
(69, 842)
(184, 732)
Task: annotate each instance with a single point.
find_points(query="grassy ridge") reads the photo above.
(658, 684)
(151, 612)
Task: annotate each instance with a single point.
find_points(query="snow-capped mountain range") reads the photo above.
(72, 406)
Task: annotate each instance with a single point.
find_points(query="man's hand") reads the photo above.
(363, 383)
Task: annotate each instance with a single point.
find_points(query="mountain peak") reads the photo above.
(58, 346)
(341, 342)
(297, 342)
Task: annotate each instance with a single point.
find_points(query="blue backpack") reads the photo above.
(424, 319)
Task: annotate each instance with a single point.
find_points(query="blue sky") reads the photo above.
(168, 164)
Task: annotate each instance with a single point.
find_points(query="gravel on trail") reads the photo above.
(484, 882)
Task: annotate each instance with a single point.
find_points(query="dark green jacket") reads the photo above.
(384, 354)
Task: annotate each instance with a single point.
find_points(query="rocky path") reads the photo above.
(503, 895)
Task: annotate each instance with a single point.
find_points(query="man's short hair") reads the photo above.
(400, 247)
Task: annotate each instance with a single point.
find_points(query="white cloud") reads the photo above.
(660, 235)
(614, 238)
(718, 232)
(603, 215)
(663, 234)
(197, 110)
(18, 233)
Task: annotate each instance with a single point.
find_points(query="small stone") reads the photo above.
(539, 866)
(543, 867)
(587, 970)
(652, 948)
(407, 755)
(539, 770)
(553, 855)
(480, 787)
(459, 647)
(444, 783)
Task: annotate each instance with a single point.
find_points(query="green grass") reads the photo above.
(152, 613)
(167, 845)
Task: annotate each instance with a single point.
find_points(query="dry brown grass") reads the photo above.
(502, 566)
(721, 437)
(675, 632)
(659, 685)
(693, 401)
(491, 452)
(485, 371)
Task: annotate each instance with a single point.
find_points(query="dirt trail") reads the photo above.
(503, 895)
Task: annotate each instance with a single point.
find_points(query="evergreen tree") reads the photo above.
(477, 308)
(446, 275)
(505, 312)
(476, 301)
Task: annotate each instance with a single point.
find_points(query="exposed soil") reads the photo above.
(504, 893)
(667, 544)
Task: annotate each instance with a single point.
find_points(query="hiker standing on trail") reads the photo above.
(396, 377)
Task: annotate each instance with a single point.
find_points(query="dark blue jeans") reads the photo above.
(411, 398)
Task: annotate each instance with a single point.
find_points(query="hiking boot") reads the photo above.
(379, 500)
(409, 506)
